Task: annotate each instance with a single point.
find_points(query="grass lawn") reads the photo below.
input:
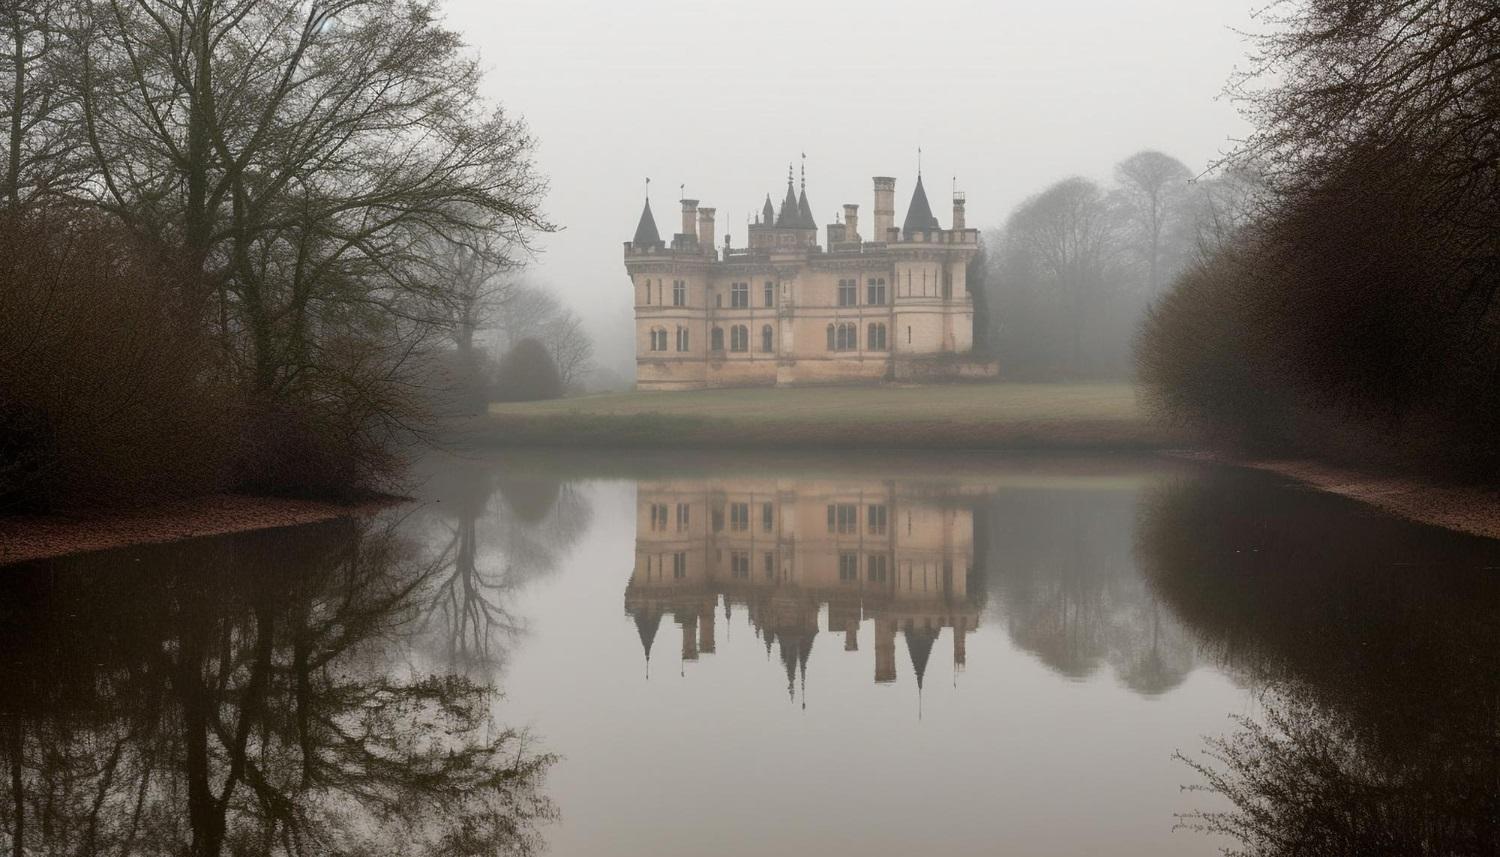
(947, 416)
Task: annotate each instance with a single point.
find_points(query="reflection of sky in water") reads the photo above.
(1055, 735)
(864, 655)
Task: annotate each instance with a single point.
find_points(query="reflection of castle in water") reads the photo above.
(871, 550)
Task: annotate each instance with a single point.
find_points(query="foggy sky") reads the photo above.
(1008, 96)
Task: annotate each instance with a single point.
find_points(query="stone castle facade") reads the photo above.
(783, 310)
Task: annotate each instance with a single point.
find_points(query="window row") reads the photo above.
(844, 518)
(739, 517)
(845, 337)
(659, 339)
(679, 293)
(660, 517)
(875, 292)
(655, 566)
(739, 565)
(739, 338)
(877, 567)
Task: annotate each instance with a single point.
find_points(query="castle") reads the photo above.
(784, 310)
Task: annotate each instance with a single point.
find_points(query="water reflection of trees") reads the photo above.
(1059, 566)
(1374, 646)
(496, 531)
(240, 696)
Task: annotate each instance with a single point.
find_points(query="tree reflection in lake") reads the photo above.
(495, 531)
(1375, 647)
(241, 695)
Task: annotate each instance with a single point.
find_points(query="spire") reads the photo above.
(804, 211)
(646, 623)
(919, 645)
(919, 214)
(789, 216)
(768, 213)
(645, 231)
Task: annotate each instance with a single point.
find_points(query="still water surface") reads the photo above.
(676, 655)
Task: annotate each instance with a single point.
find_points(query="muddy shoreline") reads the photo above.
(1467, 509)
(32, 537)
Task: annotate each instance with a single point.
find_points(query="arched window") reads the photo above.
(831, 345)
(739, 338)
(739, 295)
(848, 336)
(767, 339)
(682, 339)
(875, 340)
(658, 339)
(716, 339)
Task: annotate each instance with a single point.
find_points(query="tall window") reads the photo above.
(875, 520)
(682, 339)
(843, 337)
(648, 292)
(875, 291)
(739, 564)
(679, 293)
(767, 517)
(947, 283)
(848, 292)
(770, 566)
(716, 339)
(770, 293)
(739, 338)
(659, 517)
(739, 516)
(739, 295)
(682, 516)
(848, 567)
(767, 339)
(877, 565)
(843, 518)
(679, 565)
(876, 339)
(658, 339)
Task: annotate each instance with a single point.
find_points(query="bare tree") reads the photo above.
(1151, 190)
(1069, 234)
(302, 156)
(571, 348)
(40, 153)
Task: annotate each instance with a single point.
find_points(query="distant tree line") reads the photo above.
(1356, 316)
(233, 236)
(1067, 280)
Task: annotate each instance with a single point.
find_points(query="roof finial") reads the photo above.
(919, 162)
(648, 187)
(788, 173)
(682, 191)
(804, 171)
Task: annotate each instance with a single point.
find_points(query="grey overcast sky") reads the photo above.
(1006, 95)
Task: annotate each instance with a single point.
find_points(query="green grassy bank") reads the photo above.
(957, 416)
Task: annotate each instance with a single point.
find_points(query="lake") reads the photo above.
(672, 654)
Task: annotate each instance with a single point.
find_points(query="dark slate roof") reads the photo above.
(919, 214)
(789, 217)
(919, 645)
(768, 214)
(645, 231)
(646, 623)
(804, 211)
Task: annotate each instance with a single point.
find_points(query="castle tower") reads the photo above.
(885, 207)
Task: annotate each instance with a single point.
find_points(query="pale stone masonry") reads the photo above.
(891, 306)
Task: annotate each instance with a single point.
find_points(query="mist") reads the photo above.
(1003, 99)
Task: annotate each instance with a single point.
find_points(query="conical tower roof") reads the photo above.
(646, 623)
(919, 644)
(804, 211)
(919, 213)
(645, 231)
(790, 215)
(768, 213)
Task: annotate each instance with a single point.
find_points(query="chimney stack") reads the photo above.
(885, 206)
(706, 229)
(851, 223)
(690, 217)
(958, 210)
